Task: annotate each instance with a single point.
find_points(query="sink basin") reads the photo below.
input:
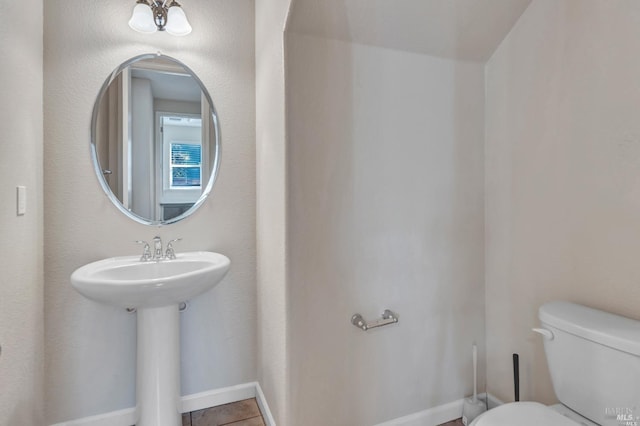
(130, 283)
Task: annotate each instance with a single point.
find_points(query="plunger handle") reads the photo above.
(516, 377)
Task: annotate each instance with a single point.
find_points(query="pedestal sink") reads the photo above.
(155, 289)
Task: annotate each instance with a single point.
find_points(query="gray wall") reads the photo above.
(21, 334)
(88, 343)
(386, 210)
(142, 141)
(562, 177)
(273, 364)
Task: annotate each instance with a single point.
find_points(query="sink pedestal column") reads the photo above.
(158, 367)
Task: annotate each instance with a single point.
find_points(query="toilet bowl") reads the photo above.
(594, 362)
(531, 414)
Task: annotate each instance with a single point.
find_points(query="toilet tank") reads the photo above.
(594, 361)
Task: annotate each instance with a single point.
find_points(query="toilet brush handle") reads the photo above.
(475, 373)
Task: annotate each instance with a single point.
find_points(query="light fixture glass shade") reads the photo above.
(177, 23)
(142, 19)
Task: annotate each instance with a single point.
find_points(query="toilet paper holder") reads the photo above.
(388, 317)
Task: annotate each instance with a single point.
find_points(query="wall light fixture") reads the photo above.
(150, 16)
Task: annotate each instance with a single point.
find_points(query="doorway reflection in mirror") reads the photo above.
(156, 139)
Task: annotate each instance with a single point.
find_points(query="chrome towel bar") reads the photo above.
(388, 317)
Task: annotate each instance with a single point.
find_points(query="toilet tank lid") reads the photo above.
(598, 326)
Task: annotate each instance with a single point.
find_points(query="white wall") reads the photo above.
(21, 334)
(273, 360)
(385, 183)
(90, 356)
(562, 176)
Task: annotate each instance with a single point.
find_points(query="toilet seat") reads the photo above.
(522, 414)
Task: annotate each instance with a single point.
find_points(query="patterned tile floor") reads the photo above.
(241, 413)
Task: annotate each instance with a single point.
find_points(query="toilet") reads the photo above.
(594, 362)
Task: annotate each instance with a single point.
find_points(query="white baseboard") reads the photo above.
(440, 414)
(429, 417)
(493, 402)
(213, 398)
(198, 401)
(127, 417)
(264, 407)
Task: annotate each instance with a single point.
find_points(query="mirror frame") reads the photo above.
(217, 148)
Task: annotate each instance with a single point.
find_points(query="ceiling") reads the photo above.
(457, 29)
(170, 86)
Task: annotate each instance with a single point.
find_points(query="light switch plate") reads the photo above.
(22, 200)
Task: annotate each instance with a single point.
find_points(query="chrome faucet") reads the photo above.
(146, 251)
(157, 249)
(157, 255)
(171, 253)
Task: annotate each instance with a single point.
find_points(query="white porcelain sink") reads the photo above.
(155, 289)
(130, 283)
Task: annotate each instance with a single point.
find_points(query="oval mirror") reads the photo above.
(155, 139)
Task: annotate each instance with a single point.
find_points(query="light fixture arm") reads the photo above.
(160, 11)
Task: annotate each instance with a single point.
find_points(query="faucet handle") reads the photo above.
(146, 251)
(171, 253)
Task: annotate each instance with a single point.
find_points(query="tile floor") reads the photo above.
(241, 413)
(457, 422)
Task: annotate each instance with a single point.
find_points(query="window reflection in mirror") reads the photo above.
(155, 139)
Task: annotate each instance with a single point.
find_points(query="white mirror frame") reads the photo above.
(215, 147)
